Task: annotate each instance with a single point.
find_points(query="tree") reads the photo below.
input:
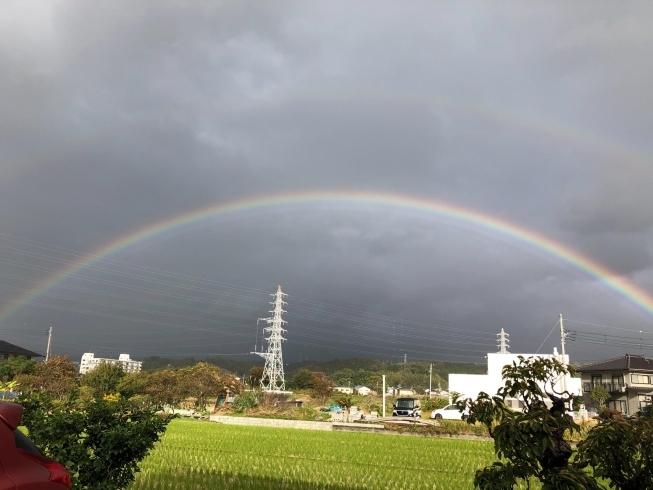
(201, 381)
(343, 400)
(344, 377)
(302, 380)
(600, 395)
(255, 376)
(132, 385)
(321, 387)
(100, 442)
(529, 444)
(620, 449)
(13, 367)
(104, 379)
(162, 386)
(56, 376)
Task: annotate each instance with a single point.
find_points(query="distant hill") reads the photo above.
(442, 368)
(353, 371)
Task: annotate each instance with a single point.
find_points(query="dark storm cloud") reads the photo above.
(118, 115)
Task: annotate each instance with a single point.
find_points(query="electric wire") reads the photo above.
(547, 337)
(205, 281)
(133, 276)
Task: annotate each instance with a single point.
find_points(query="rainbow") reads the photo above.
(483, 221)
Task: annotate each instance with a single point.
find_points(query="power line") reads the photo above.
(609, 326)
(547, 337)
(374, 327)
(151, 270)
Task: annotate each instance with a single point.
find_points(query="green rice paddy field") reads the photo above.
(202, 455)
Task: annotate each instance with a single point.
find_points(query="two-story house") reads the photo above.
(628, 379)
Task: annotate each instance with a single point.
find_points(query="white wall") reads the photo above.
(470, 385)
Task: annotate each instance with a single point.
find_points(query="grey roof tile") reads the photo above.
(624, 363)
(7, 348)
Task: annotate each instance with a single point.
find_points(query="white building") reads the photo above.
(90, 362)
(470, 385)
(363, 390)
(347, 390)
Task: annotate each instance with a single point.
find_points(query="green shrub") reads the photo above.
(100, 442)
(246, 400)
(444, 427)
(295, 413)
(429, 404)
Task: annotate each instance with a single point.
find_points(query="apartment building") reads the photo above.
(90, 362)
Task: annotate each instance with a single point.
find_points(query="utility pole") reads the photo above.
(430, 376)
(562, 339)
(405, 359)
(273, 375)
(47, 351)
(384, 396)
(562, 350)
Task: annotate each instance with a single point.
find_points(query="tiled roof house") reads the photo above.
(628, 379)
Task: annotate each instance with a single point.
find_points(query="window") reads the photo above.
(618, 405)
(586, 387)
(618, 379)
(640, 379)
(405, 403)
(644, 400)
(597, 379)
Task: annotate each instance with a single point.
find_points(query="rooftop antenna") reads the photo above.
(503, 342)
(273, 375)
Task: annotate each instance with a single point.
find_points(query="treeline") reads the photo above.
(345, 372)
(342, 372)
(59, 378)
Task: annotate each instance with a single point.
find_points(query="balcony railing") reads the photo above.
(609, 387)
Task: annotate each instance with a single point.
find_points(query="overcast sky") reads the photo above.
(117, 115)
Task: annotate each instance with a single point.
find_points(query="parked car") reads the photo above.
(407, 407)
(450, 412)
(22, 465)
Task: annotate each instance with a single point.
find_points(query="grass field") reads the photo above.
(201, 455)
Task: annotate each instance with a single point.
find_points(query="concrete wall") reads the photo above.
(470, 385)
(253, 421)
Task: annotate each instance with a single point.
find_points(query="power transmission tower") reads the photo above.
(503, 342)
(273, 376)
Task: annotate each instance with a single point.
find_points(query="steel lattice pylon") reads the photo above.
(273, 376)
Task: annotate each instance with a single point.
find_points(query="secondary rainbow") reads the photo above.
(494, 224)
(606, 145)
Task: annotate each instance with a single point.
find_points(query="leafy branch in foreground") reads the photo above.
(621, 449)
(529, 443)
(100, 442)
